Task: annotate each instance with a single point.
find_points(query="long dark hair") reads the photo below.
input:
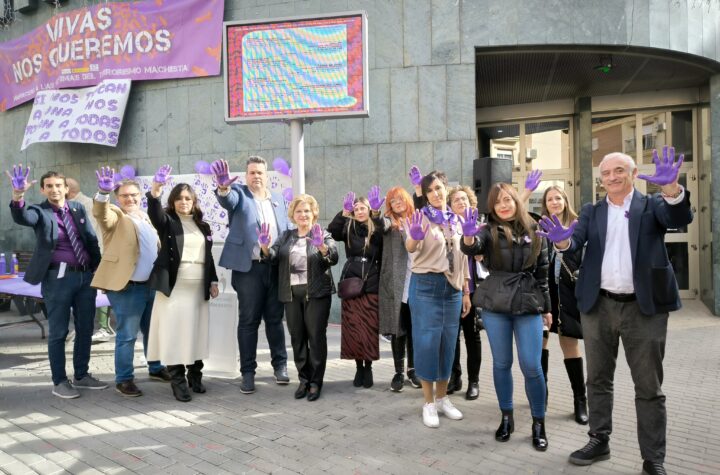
(196, 212)
(521, 224)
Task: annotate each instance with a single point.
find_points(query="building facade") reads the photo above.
(549, 84)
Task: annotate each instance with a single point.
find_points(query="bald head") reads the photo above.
(73, 188)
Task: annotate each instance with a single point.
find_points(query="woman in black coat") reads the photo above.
(304, 256)
(363, 237)
(184, 277)
(566, 316)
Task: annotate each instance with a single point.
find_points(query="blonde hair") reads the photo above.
(472, 198)
(307, 199)
(568, 214)
(369, 223)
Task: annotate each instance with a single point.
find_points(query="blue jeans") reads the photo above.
(257, 291)
(434, 309)
(132, 307)
(528, 330)
(73, 291)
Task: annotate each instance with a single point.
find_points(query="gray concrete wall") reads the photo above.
(422, 93)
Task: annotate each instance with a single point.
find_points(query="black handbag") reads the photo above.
(513, 293)
(352, 287)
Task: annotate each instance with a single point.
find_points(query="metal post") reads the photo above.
(297, 156)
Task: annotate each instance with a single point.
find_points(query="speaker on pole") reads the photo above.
(486, 172)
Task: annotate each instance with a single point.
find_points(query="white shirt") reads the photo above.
(266, 213)
(616, 274)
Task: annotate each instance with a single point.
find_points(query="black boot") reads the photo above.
(507, 426)
(398, 350)
(539, 439)
(367, 374)
(358, 380)
(194, 376)
(178, 383)
(544, 363)
(574, 368)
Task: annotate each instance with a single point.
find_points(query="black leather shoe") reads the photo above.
(507, 426)
(473, 391)
(281, 376)
(580, 406)
(163, 375)
(358, 380)
(653, 468)
(314, 392)
(301, 391)
(595, 450)
(539, 439)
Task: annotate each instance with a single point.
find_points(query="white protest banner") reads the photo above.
(88, 115)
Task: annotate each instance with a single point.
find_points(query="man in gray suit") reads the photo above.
(255, 281)
(625, 290)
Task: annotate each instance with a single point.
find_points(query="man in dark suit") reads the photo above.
(255, 280)
(625, 289)
(66, 255)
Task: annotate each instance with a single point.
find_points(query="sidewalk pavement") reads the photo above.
(348, 430)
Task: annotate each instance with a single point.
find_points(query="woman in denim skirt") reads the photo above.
(438, 292)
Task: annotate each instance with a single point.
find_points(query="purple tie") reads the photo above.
(72, 235)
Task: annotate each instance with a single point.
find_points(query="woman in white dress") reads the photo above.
(185, 279)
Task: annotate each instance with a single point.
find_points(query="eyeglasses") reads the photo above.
(125, 196)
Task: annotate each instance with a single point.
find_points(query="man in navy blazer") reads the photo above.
(66, 255)
(625, 290)
(254, 280)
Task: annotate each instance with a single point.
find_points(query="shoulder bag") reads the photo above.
(352, 287)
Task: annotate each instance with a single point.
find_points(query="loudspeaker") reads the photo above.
(486, 172)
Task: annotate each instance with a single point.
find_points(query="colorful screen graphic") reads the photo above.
(290, 69)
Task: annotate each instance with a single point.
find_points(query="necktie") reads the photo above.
(72, 235)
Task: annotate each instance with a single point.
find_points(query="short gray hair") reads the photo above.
(255, 159)
(627, 159)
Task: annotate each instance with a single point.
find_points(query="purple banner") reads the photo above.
(152, 39)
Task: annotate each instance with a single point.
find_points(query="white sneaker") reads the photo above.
(101, 336)
(446, 407)
(430, 415)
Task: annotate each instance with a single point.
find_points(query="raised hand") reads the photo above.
(221, 170)
(263, 234)
(316, 236)
(470, 226)
(533, 180)
(105, 179)
(666, 170)
(18, 179)
(349, 201)
(162, 174)
(552, 229)
(414, 226)
(415, 175)
(374, 198)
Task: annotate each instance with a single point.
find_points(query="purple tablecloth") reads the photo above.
(17, 286)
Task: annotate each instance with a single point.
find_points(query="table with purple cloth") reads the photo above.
(27, 297)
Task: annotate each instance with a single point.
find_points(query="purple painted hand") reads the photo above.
(162, 174)
(415, 175)
(553, 230)
(18, 178)
(105, 179)
(533, 180)
(374, 198)
(349, 201)
(414, 226)
(666, 170)
(470, 225)
(221, 170)
(316, 236)
(263, 234)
